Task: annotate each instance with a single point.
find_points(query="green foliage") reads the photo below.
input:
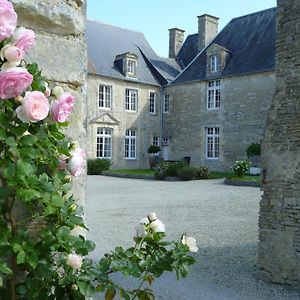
(241, 167)
(202, 172)
(173, 167)
(153, 149)
(160, 171)
(253, 149)
(97, 166)
(187, 173)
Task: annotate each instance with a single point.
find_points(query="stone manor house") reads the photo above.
(208, 101)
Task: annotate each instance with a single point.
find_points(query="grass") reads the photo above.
(218, 175)
(132, 171)
(213, 175)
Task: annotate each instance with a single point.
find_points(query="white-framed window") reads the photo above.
(130, 144)
(152, 103)
(104, 142)
(212, 142)
(131, 100)
(104, 96)
(156, 141)
(131, 66)
(214, 94)
(166, 104)
(214, 63)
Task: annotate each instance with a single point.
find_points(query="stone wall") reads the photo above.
(119, 120)
(245, 101)
(279, 221)
(61, 53)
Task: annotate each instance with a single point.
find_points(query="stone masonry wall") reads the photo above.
(119, 120)
(61, 53)
(279, 221)
(245, 101)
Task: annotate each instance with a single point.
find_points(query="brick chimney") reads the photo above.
(207, 30)
(176, 37)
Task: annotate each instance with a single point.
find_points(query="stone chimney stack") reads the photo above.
(207, 30)
(176, 37)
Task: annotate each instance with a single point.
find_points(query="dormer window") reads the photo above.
(127, 64)
(217, 60)
(131, 67)
(214, 63)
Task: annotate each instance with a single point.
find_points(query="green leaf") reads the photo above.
(3, 134)
(110, 293)
(57, 201)
(10, 141)
(5, 269)
(21, 257)
(1, 281)
(28, 194)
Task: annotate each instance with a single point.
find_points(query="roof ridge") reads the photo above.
(118, 27)
(254, 13)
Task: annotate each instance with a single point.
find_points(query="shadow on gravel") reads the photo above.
(221, 273)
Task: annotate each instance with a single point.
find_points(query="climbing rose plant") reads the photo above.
(43, 249)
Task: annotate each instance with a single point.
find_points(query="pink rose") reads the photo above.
(35, 107)
(13, 82)
(62, 108)
(74, 261)
(11, 53)
(8, 19)
(77, 161)
(23, 39)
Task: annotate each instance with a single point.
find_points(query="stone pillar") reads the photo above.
(61, 53)
(176, 37)
(279, 220)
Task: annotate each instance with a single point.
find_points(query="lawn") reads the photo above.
(213, 175)
(132, 171)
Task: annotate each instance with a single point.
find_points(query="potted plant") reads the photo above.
(153, 150)
(253, 153)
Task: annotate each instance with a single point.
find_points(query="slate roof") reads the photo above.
(105, 42)
(250, 40)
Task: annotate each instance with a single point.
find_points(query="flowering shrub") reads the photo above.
(42, 245)
(202, 172)
(241, 167)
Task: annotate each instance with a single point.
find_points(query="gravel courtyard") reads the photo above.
(222, 218)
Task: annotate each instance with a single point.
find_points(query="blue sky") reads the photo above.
(155, 17)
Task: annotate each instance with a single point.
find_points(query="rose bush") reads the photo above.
(43, 249)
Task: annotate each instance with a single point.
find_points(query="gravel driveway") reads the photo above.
(222, 218)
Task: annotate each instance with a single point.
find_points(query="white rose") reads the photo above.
(140, 228)
(157, 226)
(190, 242)
(152, 216)
(57, 91)
(74, 261)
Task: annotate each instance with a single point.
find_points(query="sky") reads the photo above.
(155, 17)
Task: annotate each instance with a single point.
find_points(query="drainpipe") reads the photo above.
(161, 90)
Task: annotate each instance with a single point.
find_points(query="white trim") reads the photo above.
(131, 103)
(104, 93)
(131, 143)
(213, 95)
(106, 141)
(214, 136)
